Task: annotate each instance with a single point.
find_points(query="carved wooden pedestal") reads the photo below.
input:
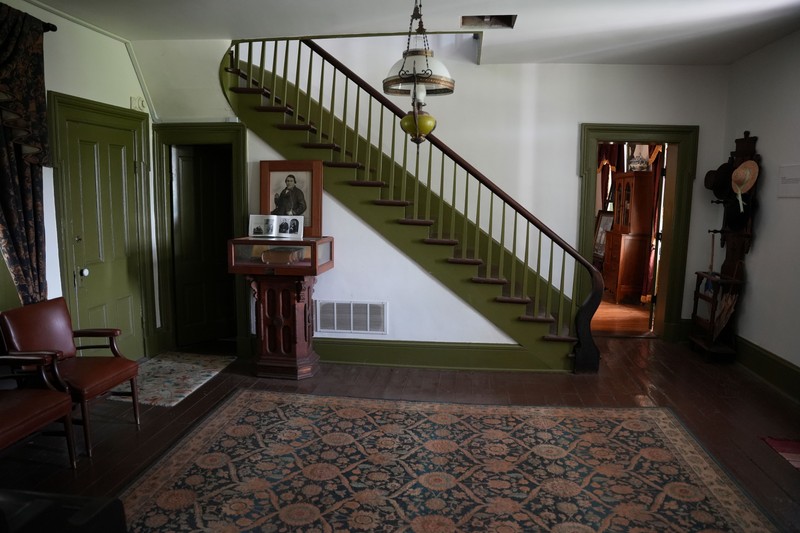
(284, 325)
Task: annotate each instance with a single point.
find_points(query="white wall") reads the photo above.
(520, 124)
(78, 62)
(182, 79)
(764, 100)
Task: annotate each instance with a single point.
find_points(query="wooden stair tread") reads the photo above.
(415, 222)
(322, 146)
(489, 281)
(367, 183)
(440, 242)
(285, 109)
(250, 90)
(545, 319)
(513, 299)
(465, 261)
(296, 127)
(396, 203)
(342, 164)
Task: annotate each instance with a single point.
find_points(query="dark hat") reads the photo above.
(719, 181)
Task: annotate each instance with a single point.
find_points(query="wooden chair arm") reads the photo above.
(45, 363)
(107, 333)
(97, 332)
(29, 358)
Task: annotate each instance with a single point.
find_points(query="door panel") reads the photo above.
(102, 230)
(202, 205)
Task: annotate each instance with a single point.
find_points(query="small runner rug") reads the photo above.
(788, 449)
(266, 461)
(170, 377)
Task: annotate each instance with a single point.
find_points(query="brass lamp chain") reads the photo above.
(416, 15)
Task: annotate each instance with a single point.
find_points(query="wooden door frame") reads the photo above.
(675, 240)
(62, 108)
(164, 137)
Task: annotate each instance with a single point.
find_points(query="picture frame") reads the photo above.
(276, 199)
(276, 227)
(605, 220)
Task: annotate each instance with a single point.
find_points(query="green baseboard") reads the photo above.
(461, 356)
(778, 372)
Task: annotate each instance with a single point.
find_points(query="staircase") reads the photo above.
(426, 200)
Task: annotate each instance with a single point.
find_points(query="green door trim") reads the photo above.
(63, 108)
(687, 138)
(164, 137)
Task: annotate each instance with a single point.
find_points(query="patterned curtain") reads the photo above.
(23, 151)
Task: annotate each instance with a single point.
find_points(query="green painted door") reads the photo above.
(202, 217)
(103, 231)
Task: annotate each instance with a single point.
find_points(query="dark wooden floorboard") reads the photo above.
(724, 406)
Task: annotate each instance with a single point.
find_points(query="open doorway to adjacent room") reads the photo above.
(629, 203)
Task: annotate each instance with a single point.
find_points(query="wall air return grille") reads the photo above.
(352, 317)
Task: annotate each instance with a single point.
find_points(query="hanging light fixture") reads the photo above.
(418, 74)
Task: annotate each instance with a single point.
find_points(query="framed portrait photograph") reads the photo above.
(602, 225)
(293, 189)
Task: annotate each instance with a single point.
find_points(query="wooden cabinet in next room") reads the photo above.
(628, 242)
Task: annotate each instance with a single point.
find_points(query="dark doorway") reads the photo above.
(202, 223)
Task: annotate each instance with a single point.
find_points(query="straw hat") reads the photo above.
(744, 177)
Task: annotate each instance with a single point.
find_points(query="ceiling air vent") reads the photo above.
(351, 317)
(488, 22)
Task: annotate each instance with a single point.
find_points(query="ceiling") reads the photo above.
(667, 32)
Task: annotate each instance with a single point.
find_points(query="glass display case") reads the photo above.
(259, 256)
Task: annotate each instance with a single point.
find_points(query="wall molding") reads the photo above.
(778, 372)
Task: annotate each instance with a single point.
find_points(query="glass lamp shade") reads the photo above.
(418, 68)
(418, 125)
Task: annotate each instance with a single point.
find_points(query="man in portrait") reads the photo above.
(291, 200)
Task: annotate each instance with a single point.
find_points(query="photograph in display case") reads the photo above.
(276, 227)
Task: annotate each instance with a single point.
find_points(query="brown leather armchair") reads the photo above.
(35, 403)
(47, 327)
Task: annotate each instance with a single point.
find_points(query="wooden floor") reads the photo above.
(623, 319)
(724, 406)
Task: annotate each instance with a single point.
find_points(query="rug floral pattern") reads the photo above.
(267, 461)
(170, 377)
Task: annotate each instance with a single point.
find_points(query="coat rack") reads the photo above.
(716, 294)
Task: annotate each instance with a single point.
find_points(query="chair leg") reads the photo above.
(87, 434)
(135, 399)
(70, 441)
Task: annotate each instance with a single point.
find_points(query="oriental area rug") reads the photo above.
(266, 461)
(170, 377)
